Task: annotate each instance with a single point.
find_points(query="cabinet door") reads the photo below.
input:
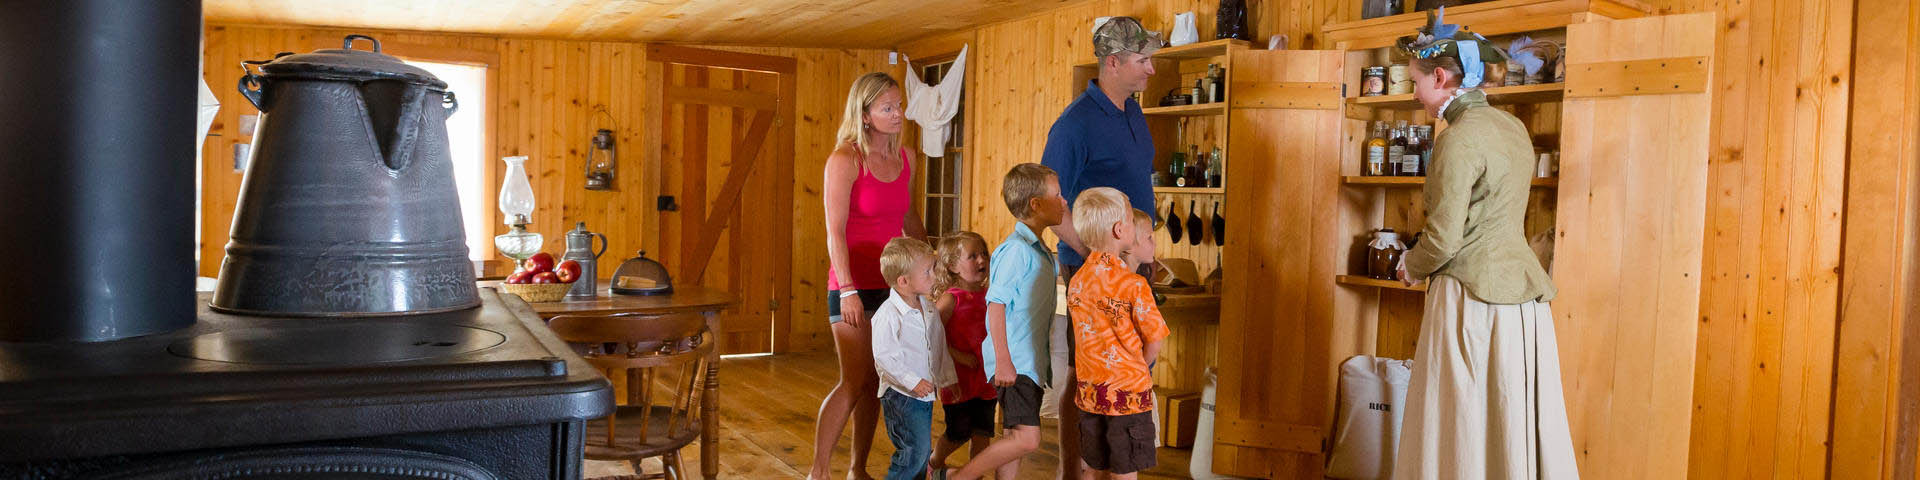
(1631, 218)
(1276, 375)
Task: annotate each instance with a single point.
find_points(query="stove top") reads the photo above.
(234, 380)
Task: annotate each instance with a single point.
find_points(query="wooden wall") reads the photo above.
(1774, 393)
(1877, 374)
(545, 99)
(1775, 183)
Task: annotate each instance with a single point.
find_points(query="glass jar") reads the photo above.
(1383, 254)
(1373, 81)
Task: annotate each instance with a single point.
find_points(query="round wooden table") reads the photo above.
(693, 299)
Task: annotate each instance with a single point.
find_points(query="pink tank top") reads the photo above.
(875, 212)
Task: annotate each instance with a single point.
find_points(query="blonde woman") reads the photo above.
(868, 197)
(1485, 401)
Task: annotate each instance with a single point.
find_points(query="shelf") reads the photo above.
(1191, 190)
(1207, 49)
(1204, 109)
(1415, 182)
(1361, 281)
(1210, 48)
(1488, 19)
(1518, 94)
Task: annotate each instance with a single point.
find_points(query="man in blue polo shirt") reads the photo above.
(1101, 140)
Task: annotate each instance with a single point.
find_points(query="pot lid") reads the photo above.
(348, 64)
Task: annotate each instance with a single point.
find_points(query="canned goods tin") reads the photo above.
(1373, 81)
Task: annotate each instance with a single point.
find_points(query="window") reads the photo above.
(942, 204)
(466, 138)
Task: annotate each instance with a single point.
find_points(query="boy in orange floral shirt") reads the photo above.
(1117, 331)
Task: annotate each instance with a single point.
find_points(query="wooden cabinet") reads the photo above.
(1625, 215)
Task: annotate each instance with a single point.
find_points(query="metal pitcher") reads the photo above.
(348, 207)
(580, 249)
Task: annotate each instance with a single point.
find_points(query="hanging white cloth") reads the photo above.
(209, 107)
(933, 107)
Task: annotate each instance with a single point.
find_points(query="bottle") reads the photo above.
(1396, 149)
(1216, 83)
(1213, 169)
(1426, 148)
(1376, 151)
(1177, 169)
(1199, 91)
(1195, 166)
(1410, 156)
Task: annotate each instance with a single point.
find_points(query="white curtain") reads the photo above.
(933, 107)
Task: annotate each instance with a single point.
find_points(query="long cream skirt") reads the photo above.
(1485, 400)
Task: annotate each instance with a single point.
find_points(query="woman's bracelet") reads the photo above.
(848, 293)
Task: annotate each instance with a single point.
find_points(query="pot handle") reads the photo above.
(253, 85)
(451, 103)
(348, 43)
(603, 245)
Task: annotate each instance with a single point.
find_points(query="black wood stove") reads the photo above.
(112, 367)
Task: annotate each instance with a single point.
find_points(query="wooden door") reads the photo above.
(1632, 214)
(726, 162)
(1276, 367)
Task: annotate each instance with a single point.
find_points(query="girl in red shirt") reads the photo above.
(961, 282)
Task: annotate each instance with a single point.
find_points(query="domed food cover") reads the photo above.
(641, 276)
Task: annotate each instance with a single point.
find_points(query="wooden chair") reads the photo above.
(656, 348)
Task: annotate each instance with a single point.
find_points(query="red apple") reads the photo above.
(545, 277)
(539, 262)
(568, 271)
(520, 277)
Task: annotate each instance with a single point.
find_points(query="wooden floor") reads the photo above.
(767, 410)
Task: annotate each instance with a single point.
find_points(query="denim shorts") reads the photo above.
(870, 300)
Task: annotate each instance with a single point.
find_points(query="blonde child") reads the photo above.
(960, 286)
(909, 353)
(1141, 250)
(1020, 302)
(1117, 332)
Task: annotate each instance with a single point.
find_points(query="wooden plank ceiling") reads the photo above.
(799, 23)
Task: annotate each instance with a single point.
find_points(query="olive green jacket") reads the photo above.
(1476, 198)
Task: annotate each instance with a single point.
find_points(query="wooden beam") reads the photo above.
(1286, 95)
(1638, 77)
(713, 96)
(1269, 435)
(745, 150)
(721, 59)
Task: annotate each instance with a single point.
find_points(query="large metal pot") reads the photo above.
(348, 206)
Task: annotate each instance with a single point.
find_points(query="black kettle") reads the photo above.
(348, 206)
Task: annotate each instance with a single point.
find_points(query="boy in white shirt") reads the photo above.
(909, 351)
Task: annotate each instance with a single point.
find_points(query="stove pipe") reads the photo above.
(97, 168)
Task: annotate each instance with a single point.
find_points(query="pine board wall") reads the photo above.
(544, 98)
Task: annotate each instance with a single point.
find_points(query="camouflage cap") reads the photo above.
(1122, 35)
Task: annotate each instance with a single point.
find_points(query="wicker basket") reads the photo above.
(537, 292)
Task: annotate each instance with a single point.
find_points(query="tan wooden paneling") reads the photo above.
(546, 101)
(1631, 215)
(1877, 374)
(803, 23)
(1763, 382)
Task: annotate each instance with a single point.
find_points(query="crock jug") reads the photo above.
(348, 206)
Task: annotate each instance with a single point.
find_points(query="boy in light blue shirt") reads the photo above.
(1020, 305)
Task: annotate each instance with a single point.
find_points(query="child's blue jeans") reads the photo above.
(910, 426)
